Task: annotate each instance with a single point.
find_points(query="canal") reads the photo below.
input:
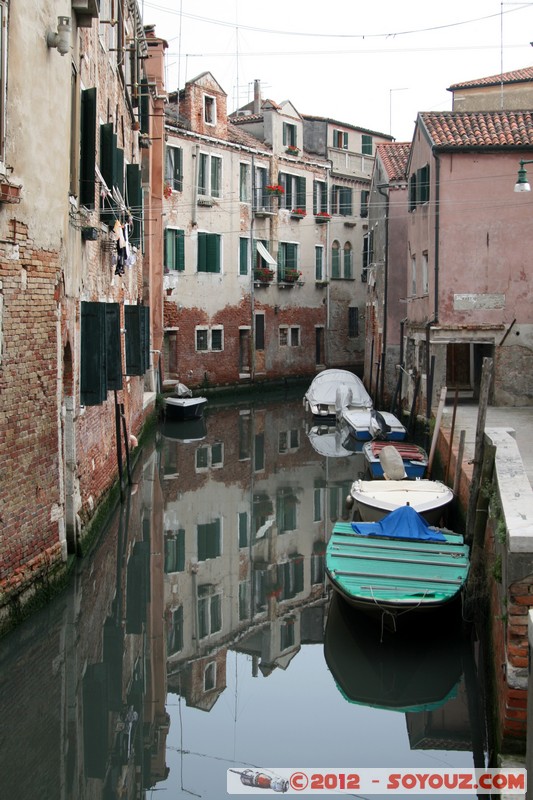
(200, 634)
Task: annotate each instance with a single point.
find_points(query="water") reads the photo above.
(201, 636)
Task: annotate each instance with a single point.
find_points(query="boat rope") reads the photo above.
(392, 614)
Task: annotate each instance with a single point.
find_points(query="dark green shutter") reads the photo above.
(213, 252)
(180, 250)
(134, 352)
(202, 252)
(315, 193)
(300, 192)
(93, 383)
(134, 201)
(178, 179)
(108, 165)
(95, 720)
(284, 133)
(113, 349)
(291, 256)
(243, 256)
(88, 147)
(144, 312)
(144, 107)
(119, 170)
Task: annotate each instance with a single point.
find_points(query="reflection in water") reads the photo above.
(207, 594)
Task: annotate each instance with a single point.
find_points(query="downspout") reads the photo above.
(196, 150)
(251, 265)
(327, 268)
(384, 194)
(435, 319)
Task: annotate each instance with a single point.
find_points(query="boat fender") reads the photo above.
(133, 441)
(349, 501)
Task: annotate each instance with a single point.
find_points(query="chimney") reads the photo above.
(257, 96)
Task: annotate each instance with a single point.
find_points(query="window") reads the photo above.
(353, 322)
(259, 331)
(287, 633)
(174, 168)
(422, 175)
(413, 275)
(209, 540)
(209, 175)
(209, 339)
(209, 611)
(209, 251)
(289, 135)
(174, 551)
(286, 510)
(244, 183)
(261, 197)
(366, 144)
(340, 139)
(259, 452)
(289, 336)
(107, 32)
(244, 600)
(367, 256)
(87, 144)
(243, 255)
(174, 256)
(210, 676)
(288, 440)
(318, 513)
(425, 276)
(412, 192)
(112, 169)
(210, 110)
(364, 202)
(319, 262)
(335, 260)
(341, 200)
(295, 191)
(320, 197)
(347, 260)
(287, 258)
(175, 631)
(243, 529)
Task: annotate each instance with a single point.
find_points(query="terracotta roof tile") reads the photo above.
(394, 156)
(516, 76)
(479, 128)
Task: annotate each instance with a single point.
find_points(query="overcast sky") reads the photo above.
(375, 64)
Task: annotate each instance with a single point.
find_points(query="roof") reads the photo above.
(516, 76)
(394, 156)
(351, 126)
(466, 129)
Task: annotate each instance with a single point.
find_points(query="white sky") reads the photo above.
(375, 64)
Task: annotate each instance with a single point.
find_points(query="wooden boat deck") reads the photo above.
(399, 572)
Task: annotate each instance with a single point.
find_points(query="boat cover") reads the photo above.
(323, 389)
(402, 523)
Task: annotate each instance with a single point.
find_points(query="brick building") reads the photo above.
(75, 274)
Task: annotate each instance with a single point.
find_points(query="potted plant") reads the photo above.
(292, 276)
(263, 274)
(292, 149)
(167, 190)
(275, 189)
(322, 216)
(298, 213)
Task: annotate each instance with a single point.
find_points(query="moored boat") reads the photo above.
(414, 459)
(374, 499)
(398, 564)
(367, 424)
(334, 387)
(182, 405)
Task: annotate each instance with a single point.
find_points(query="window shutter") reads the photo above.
(119, 169)
(108, 165)
(243, 256)
(202, 252)
(315, 197)
(345, 201)
(213, 252)
(93, 384)
(178, 166)
(291, 256)
(300, 192)
(284, 133)
(345, 140)
(113, 349)
(180, 250)
(134, 196)
(88, 147)
(259, 331)
(137, 321)
(144, 107)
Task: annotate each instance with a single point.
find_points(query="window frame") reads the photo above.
(290, 134)
(210, 109)
(245, 182)
(206, 173)
(176, 237)
(340, 139)
(208, 330)
(209, 247)
(173, 171)
(319, 262)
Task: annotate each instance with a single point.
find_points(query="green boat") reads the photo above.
(396, 565)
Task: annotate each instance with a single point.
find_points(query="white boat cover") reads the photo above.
(328, 442)
(323, 389)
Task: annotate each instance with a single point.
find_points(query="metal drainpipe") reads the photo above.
(252, 287)
(385, 288)
(327, 269)
(196, 163)
(435, 319)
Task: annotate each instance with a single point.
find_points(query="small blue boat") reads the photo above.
(368, 424)
(415, 459)
(398, 564)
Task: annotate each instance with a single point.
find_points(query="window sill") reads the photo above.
(264, 212)
(206, 201)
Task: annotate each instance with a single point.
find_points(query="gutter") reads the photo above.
(384, 194)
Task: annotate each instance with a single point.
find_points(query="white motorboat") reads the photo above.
(182, 405)
(334, 389)
(365, 424)
(374, 499)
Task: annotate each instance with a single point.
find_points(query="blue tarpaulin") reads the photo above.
(402, 523)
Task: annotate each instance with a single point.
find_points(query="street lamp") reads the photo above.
(522, 183)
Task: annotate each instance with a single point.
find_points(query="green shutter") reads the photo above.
(119, 170)
(178, 169)
(180, 250)
(243, 256)
(137, 321)
(284, 133)
(213, 252)
(88, 147)
(300, 192)
(144, 107)
(113, 349)
(202, 252)
(108, 165)
(134, 201)
(291, 256)
(93, 383)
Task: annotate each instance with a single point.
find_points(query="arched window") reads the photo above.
(348, 260)
(335, 260)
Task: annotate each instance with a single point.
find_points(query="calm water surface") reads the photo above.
(201, 636)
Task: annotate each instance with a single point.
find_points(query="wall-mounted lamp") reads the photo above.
(61, 39)
(522, 183)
